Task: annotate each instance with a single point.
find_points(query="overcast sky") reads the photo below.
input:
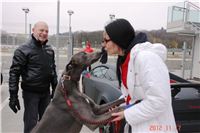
(89, 15)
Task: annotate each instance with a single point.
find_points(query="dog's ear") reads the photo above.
(69, 66)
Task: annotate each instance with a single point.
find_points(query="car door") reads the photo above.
(186, 107)
(102, 85)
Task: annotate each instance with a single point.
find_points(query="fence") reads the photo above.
(9, 42)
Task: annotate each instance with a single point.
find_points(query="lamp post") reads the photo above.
(26, 10)
(57, 35)
(112, 17)
(70, 48)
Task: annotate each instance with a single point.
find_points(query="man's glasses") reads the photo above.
(106, 40)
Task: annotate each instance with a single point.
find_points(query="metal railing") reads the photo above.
(184, 12)
(193, 5)
(194, 25)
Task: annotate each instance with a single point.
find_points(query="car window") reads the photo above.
(185, 90)
(99, 72)
(111, 75)
(103, 72)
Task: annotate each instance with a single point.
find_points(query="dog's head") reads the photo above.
(80, 62)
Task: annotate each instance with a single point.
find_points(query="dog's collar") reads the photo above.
(66, 77)
(63, 78)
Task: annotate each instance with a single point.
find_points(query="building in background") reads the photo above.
(184, 19)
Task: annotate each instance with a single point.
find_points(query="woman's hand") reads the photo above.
(118, 116)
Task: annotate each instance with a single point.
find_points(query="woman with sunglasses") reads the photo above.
(143, 79)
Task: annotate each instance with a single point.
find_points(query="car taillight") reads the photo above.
(172, 81)
(194, 106)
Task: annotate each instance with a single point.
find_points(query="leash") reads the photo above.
(71, 106)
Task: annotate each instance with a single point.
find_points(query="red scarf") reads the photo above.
(124, 72)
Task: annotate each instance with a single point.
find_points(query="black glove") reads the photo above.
(104, 56)
(52, 93)
(14, 103)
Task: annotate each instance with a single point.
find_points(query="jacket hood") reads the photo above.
(156, 48)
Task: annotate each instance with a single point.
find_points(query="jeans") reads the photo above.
(34, 107)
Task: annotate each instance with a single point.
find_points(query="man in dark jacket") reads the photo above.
(34, 62)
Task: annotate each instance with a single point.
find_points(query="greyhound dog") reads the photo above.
(70, 109)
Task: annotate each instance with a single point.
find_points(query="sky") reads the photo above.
(90, 15)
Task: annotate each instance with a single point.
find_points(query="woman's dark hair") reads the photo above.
(120, 32)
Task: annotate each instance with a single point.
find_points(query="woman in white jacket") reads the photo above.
(143, 76)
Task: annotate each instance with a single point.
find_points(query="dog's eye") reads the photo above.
(69, 67)
(73, 62)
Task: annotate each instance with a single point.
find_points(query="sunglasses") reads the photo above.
(106, 40)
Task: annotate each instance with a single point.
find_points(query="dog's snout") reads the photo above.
(93, 57)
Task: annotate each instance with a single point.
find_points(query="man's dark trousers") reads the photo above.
(34, 105)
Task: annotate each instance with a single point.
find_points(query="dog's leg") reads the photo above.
(101, 119)
(91, 101)
(100, 109)
(105, 107)
(83, 112)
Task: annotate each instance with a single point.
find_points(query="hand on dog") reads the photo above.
(118, 116)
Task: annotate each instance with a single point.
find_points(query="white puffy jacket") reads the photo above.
(148, 80)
